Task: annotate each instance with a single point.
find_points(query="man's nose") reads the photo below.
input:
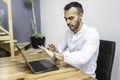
(68, 22)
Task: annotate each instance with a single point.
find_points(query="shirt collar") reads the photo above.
(83, 28)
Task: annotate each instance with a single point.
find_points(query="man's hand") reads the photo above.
(46, 50)
(52, 47)
(58, 55)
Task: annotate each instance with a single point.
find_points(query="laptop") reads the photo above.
(39, 66)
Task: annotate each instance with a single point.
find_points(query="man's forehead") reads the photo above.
(71, 11)
(68, 16)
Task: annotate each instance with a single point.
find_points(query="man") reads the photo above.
(80, 46)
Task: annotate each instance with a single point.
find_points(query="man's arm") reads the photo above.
(58, 54)
(88, 50)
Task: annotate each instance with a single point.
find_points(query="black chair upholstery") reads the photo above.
(105, 60)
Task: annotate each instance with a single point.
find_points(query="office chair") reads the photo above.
(105, 59)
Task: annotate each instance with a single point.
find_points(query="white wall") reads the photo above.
(104, 15)
(53, 24)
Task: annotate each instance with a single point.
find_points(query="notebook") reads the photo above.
(39, 66)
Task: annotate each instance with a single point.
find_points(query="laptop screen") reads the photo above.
(22, 54)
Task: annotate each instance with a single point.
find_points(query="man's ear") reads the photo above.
(81, 15)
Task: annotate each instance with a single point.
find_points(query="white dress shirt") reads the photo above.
(81, 49)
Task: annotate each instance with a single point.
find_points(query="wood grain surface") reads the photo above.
(14, 68)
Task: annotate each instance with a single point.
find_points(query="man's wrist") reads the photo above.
(54, 54)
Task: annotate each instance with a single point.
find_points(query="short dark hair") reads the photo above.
(74, 4)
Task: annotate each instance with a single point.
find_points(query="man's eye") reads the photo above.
(71, 18)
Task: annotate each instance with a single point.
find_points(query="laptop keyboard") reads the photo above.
(37, 66)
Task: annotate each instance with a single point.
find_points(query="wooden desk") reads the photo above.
(14, 68)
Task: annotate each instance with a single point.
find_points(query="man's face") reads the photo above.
(73, 19)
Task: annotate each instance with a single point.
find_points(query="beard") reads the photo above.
(74, 27)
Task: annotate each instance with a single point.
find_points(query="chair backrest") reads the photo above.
(105, 60)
